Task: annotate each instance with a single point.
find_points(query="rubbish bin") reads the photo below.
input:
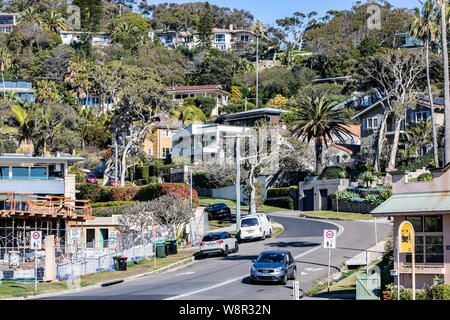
(122, 261)
(172, 246)
(161, 249)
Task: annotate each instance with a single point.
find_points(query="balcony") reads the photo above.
(16, 204)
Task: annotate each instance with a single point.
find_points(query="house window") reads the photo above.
(429, 240)
(20, 173)
(150, 151)
(166, 152)
(37, 173)
(421, 116)
(4, 173)
(372, 123)
(220, 38)
(221, 47)
(166, 133)
(244, 38)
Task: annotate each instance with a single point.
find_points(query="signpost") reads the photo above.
(296, 288)
(405, 238)
(329, 242)
(36, 242)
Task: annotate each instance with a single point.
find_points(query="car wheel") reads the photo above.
(225, 252)
(270, 234)
(263, 236)
(236, 247)
(284, 279)
(294, 274)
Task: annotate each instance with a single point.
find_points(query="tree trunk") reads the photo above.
(398, 123)
(4, 91)
(433, 120)
(379, 149)
(251, 179)
(319, 152)
(446, 83)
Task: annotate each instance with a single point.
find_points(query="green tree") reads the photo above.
(423, 26)
(5, 64)
(92, 12)
(188, 112)
(204, 27)
(314, 119)
(54, 21)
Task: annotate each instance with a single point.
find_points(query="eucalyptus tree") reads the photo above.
(297, 26)
(424, 26)
(5, 64)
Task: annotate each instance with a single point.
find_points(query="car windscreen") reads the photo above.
(250, 222)
(271, 257)
(211, 237)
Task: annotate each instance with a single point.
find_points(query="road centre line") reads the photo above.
(341, 229)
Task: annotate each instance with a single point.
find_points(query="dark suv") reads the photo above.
(218, 211)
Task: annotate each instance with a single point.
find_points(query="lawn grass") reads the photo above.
(333, 215)
(204, 201)
(219, 224)
(11, 289)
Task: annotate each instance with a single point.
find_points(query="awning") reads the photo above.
(423, 203)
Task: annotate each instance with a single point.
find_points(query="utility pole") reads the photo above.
(238, 184)
(257, 71)
(446, 84)
(116, 147)
(246, 101)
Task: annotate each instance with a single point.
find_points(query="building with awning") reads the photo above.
(426, 204)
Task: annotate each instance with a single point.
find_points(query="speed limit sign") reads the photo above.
(36, 239)
(329, 239)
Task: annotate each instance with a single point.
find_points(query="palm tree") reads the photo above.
(188, 113)
(423, 26)
(30, 15)
(5, 63)
(444, 17)
(23, 122)
(54, 21)
(315, 118)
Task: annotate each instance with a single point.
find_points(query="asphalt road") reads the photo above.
(226, 278)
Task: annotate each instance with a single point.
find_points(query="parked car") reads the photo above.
(273, 266)
(91, 178)
(218, 242)
(113, 182)
(218, 211)
(255, 226)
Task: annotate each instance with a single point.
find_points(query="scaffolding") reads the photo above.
(22, 213)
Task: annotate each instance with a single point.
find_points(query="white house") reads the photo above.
(7, 21)
(98, 38)
(206, 143)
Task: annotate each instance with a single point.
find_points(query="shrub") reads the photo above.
(366, 177)
(386, 194)
(106, 194)
(182, 190)
(112, 204)
(345, 195)
(439, 292)
(425, 177)
(88, 191)
(279, 192)
(148, 192)
(330, 173)
(374, 198)
(282, 202)
(123, 193)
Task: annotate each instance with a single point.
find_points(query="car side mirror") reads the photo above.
(253, 260)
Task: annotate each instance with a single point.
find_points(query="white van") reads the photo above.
(255, 226)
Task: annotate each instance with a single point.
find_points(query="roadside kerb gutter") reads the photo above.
(171, 267)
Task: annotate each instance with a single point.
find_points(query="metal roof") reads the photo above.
(420, 202)
(14, 157)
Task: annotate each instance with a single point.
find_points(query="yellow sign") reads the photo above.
(406, 237)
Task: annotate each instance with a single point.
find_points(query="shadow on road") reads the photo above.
(296, 244)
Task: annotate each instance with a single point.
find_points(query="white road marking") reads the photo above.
(341, 229)
(185, 273)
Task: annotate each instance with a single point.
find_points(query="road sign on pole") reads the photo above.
(296, 288)
(36, 239)
(329, 239)
(406, 244)
(35, 243)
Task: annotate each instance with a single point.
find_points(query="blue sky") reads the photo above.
(270, 10)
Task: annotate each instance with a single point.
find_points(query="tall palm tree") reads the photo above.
(188, 114)
(314, 118)
(444, 17)
(23, 122)
(30, 15)
(423, 25)
(5, 63)
(54, 21)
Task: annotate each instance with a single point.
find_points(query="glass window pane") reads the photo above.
(435, 258)
(433, 224)
(434, 240)
(20, 173)
(38, 174)
(417, 223)
(419, 258)
(4, 173)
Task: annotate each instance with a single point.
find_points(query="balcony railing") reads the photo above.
(21, 204)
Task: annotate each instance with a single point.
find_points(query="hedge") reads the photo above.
(281, 202)
(96, 193)
(279, 192)
(112, 204)
(331, 173)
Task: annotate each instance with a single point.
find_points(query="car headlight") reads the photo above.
(253, 270)
(279, 269)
